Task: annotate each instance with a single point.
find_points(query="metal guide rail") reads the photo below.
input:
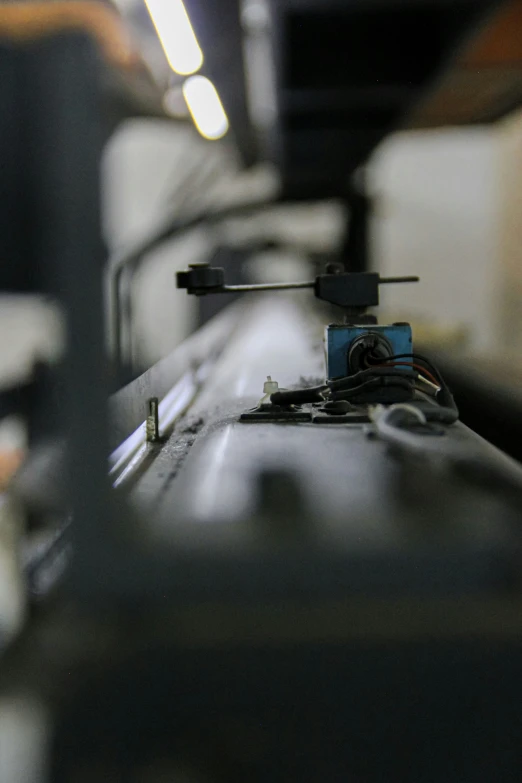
(273, 589)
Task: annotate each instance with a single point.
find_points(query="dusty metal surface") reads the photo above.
(298, 596)
(403, 524)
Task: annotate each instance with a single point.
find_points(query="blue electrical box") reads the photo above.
(340, 340)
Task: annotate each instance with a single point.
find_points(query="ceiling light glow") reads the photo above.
(205, 107)
(176, 35)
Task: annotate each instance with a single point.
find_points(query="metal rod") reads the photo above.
(306, 284)
(267, 287)
(407, 279)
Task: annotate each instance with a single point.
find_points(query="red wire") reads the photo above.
(417, 367)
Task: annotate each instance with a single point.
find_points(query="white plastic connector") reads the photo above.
(269, 387)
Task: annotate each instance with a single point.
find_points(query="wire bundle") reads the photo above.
(445, 411)
(436, 401)
(352, 386)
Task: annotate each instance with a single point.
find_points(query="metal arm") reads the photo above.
(345, 289)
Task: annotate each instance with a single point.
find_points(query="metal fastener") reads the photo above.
(152, 423)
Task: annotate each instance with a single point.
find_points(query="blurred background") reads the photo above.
(446, 202)
(425, 101)
(277, 139)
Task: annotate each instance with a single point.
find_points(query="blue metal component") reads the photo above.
(339, 339)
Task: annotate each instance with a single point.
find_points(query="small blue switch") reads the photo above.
(340, 341)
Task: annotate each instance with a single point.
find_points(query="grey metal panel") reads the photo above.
(365, 520)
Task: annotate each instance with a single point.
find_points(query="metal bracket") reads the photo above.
(353, 291)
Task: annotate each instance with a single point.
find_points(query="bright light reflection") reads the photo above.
(176, 35)
(205, 107)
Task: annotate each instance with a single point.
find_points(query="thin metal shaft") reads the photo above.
(267, 287)
(306, 284)
(407, 279)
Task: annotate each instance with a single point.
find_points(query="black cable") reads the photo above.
(344, 388)
(389, 372)
(373, 383)
(346, 393)
(444, 396)
(298, 396)
(419, 357)
(444, 411)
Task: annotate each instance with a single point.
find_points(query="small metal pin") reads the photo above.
(152, 423)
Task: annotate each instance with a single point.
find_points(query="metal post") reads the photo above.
(152, 425)
(67, 133)
(355, 250)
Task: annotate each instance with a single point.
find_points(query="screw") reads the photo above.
(152, 423)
